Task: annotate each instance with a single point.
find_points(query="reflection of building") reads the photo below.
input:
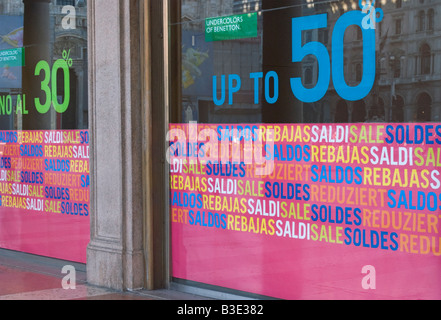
(240, 6)
(241, 56)
(410, 79)
(11, 37)
(408, 42)
(74, 41)
(205, 9)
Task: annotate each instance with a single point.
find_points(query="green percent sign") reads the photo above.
(52, 94)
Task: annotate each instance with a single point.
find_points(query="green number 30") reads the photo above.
(52, 94)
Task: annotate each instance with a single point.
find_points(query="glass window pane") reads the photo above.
(44, 176)
(285, 108)
(209, 88)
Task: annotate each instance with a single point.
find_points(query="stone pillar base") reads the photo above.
(110, 267)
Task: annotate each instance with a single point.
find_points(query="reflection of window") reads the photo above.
(398, 26)
(358, 72)
(307, 36)
(430, 16)
(324, 36)
(359, 34)
(308, 75)
(421, 20)
(425, 54)
(397, 69)
(398, 4)
(66, 2)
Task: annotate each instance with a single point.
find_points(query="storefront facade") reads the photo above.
(283, 150)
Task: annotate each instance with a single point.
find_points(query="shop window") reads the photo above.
(426, 57)
(44, 98)
(287, 74)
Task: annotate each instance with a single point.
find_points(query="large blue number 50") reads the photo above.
(299, 52)
(311, 48)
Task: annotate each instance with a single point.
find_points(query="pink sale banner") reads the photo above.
(300, 210)
(44, 193)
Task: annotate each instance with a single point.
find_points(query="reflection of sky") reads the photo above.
(10, 77)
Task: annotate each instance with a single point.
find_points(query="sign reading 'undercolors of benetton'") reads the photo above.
(284, 210)
(232, 27)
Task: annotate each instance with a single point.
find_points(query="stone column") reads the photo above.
(115, 254)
